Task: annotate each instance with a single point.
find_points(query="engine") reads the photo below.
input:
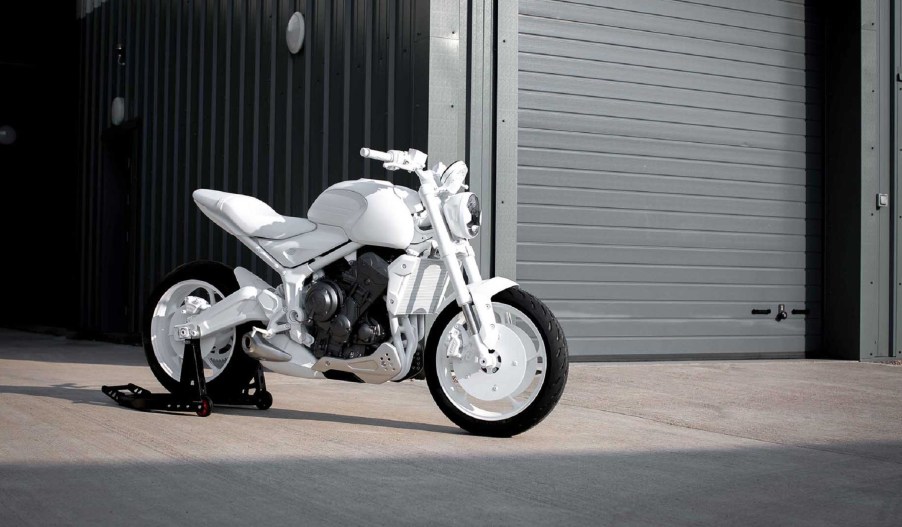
(344, 308)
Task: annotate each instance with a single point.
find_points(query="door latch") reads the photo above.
(882, 200)
(781, 313)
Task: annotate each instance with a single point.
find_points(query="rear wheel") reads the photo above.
(227, 369)
(520, 388)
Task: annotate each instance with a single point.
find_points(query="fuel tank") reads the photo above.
(370, 211)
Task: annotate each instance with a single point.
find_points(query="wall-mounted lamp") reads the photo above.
(294, 35)
(117, 111)
(7, 135)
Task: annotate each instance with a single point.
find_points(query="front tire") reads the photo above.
(499, 403)
(227, 369)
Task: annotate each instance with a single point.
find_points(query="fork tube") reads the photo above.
(447, 249)
(470, 266)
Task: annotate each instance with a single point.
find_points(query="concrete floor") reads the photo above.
(710, 443)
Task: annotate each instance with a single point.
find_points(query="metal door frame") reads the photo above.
(894, 189)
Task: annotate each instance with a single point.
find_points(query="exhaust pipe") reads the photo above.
(256, 347)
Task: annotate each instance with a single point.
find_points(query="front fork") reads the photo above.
(459, 257)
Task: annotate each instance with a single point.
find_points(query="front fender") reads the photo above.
(482, 291)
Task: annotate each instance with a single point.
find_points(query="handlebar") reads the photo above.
(385, 157)
(411, 160)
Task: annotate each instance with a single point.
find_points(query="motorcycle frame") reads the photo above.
(254, 300)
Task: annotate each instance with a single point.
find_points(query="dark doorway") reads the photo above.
(116, 315)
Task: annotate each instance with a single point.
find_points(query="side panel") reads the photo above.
(293, 252)
(417, 286)
(340, 208)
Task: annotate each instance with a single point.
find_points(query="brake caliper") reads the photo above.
(195, 304)
(454, 344)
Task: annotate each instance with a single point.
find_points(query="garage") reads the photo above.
(677, 179)
(670, 175)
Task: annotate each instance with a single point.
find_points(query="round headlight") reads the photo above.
(463, 214)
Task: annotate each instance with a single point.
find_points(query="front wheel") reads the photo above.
(520, 388)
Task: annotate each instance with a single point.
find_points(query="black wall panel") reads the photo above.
(214, 99)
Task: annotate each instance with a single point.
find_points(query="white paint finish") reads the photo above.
(292, 252)
(386, 222)
(371, 212)
(464, 215)
(237, 308)
(337, 207)
(177, 306)
(247, 278)
(416, 285)
(379, 367)
(485, 290)
(347, 217)
(249, 216)
(301, 362)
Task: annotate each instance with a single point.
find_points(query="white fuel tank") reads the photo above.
(371, 212)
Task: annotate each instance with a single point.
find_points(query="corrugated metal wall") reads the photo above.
(221, 103)
(670, 173)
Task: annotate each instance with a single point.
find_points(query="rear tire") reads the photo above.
(537, 406)
(239, 368)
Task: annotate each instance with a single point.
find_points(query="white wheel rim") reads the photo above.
(216, 351)
(447, 367)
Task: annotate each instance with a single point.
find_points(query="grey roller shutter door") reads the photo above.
(670, 174)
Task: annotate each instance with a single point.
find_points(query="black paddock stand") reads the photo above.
(191, 395)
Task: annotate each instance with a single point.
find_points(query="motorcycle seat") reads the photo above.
(249, 216)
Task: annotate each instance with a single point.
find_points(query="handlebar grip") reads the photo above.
(377, 155)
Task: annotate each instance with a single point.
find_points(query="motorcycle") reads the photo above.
(359, 277)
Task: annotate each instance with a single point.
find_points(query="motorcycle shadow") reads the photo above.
(93, 396)
(67, 391)
(306, 415)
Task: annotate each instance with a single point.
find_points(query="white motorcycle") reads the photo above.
(359, 278)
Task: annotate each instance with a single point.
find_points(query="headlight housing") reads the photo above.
(463, 213)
